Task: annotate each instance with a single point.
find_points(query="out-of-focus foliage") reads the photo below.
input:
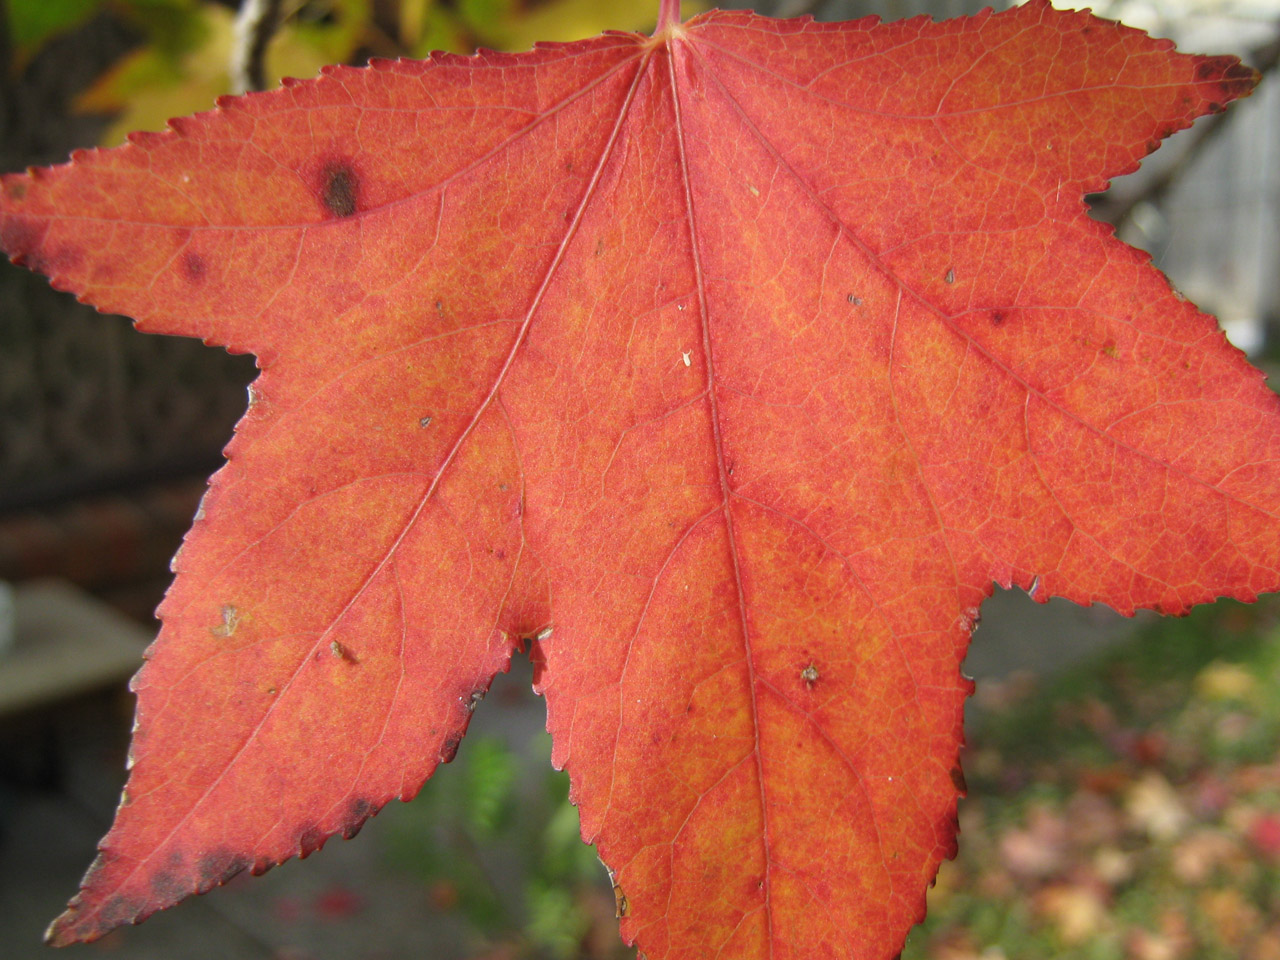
(1127, 811)
(510, 864)
(31, 24)
(188, 73)
(182, 64)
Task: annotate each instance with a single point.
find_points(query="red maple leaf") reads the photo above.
(733, 365)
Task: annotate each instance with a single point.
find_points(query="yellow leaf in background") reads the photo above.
(1154, 807)
(1226, 681)
(1076, 911)
(427, 26)
(565, 20)
(148, 87)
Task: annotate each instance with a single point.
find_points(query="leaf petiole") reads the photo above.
(668, 15)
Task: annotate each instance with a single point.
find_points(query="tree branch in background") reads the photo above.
(255, 25)
(1264, 60)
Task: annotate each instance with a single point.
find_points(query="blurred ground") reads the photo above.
(409, 886)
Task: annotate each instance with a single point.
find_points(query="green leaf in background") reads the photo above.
(490, 775)
(557, 922)
(33, 22)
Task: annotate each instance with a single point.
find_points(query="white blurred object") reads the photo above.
(1245, 333)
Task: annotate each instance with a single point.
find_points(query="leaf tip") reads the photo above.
(1232, 78)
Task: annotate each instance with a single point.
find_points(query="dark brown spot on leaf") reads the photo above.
(997, 317)
(118, 911)
(340, 192)
(449, 749)
(1235, 77)
(216, 868)
(358, 812)
(169, 887)
(957, 780)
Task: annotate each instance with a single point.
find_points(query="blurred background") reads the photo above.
(1124, 774)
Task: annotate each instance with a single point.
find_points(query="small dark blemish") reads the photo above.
(193, 267)
(1228, 71)
(856, 301)
(957, 780)
(950, 277)
(997, 317)
(358, 812)
(621, 906)
(449, 749)
(168, 887)
(218, 867)
(118, 911)
(472, 701)
(23, 242)
(341, 189)
(599, 247)
(1207, 69)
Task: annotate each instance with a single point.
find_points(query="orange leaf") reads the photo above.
(733, 365)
